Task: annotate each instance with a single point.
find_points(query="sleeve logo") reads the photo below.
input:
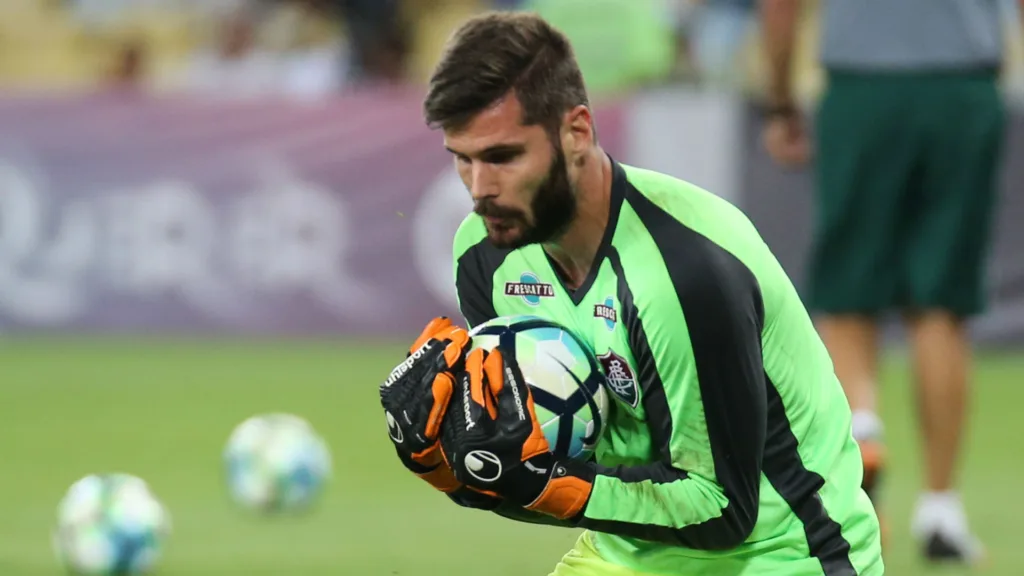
(621, 380)
(530, 289)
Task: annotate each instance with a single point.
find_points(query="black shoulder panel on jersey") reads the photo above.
(659, 417)
(722, 304)
(726, 531)
(746, 420)
(474, 280)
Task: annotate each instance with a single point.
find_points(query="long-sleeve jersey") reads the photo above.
(728, 447)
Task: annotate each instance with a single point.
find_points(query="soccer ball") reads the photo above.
(110, 524)
(276, 463)
(564, 377)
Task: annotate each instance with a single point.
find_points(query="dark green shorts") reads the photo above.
(907, 173)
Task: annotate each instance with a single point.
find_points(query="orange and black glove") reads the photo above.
(493, 442)
(416, 395)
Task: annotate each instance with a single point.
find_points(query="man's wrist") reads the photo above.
(780, 109)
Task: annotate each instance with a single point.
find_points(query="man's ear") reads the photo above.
(578, 132)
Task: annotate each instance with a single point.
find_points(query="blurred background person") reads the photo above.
(378, 39)
(234, 64)
(620, 45)
(717, 32)
(129, 66)
(271, 48)
(907, 155)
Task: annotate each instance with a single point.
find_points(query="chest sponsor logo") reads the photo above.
(621, 380)
(606, 311)
(530, 289)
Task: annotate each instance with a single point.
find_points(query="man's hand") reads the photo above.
(785, 137)
(416, 395)
(493, 442)
(783, 134)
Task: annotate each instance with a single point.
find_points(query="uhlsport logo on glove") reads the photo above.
(483, 465)
(406, 365)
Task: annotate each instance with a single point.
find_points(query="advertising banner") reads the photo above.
(336, 217)
(254, 217)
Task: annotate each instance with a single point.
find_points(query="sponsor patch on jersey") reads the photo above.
(530, 289)
(621, 380)
(606, 311)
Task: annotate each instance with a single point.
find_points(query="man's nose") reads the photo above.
(483, 184)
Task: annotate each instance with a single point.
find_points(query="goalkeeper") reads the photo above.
(728, 448)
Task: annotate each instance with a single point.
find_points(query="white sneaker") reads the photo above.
(940, 526)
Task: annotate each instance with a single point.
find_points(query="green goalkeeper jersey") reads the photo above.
(728, 448)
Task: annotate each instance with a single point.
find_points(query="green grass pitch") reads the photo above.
(163, 409)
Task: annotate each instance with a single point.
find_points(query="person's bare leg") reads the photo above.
(942, 364)
(852, 342)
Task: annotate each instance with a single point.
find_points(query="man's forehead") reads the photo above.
(499, 123)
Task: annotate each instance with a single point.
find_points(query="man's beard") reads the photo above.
(553, 207)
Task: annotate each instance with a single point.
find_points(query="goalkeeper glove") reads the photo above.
(493, 442)
(416, 395)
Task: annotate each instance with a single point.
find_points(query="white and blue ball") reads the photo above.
(110, 524)
(564, 377)
(276, 463)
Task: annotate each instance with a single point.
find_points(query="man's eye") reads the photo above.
(501, 158)
(462, 159)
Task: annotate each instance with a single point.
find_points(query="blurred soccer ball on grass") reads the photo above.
(276, 463)
(110, 524)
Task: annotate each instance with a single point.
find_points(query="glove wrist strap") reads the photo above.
(567, 492)
(441, 478)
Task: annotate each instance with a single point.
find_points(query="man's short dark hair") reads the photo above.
(499, 53)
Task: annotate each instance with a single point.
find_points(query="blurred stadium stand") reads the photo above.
(45, 45)
(78, 44)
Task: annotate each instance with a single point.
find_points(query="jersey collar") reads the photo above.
(618, 194)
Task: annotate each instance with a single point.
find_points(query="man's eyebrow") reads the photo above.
(496, 149)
